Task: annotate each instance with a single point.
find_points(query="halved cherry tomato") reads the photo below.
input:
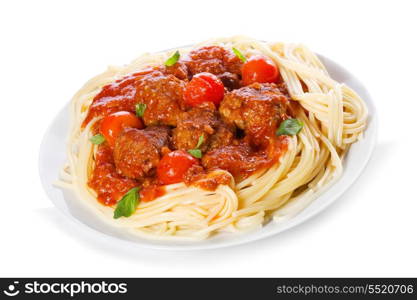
(204, 87)
(112, 125)
(259, 69)
(172, 166)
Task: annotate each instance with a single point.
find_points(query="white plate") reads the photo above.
(52, 157)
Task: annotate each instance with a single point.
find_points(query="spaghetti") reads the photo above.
(333, 117)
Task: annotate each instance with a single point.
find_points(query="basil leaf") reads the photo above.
(173, 59)
(289, 127)
(196, 153)
(140, 109)
(97, 139)
(128, 204)
(239, 55)
(200, 141)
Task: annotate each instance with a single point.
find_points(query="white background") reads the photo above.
(50, 48)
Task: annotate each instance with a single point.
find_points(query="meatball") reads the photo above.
(179, 70)
(240, 160)
(191, 125)
(218, 61)
(257, 109)
(230, 81)
(162, 95)
(137, 152)
(223, 136)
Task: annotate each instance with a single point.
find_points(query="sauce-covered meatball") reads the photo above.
(230, 81)
(179, 70)
(137, 152)
(257, 109)
(191, 125)
(218, 61)
(163, 95)
(224, 135)
(240, 160)
(161, 89)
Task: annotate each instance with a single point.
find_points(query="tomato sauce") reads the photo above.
(210, 183)
(116, 96)
(239, 139)
(241, 160)
(109, 185)
(151, 192)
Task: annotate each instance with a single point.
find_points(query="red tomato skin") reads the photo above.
(113, 124)
(259, 69)
(217, 87)
(204, 87)
(172, 166)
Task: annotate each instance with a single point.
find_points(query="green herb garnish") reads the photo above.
(239, 55)
(196, 152)
(173, 59)
(97, 139)
(128, 204)
(289, 127)
(200, 141)
(140, 109)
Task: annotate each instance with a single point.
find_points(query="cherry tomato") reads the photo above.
(112, 125)
(259, 69)
(173, 166)
(204, 87)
